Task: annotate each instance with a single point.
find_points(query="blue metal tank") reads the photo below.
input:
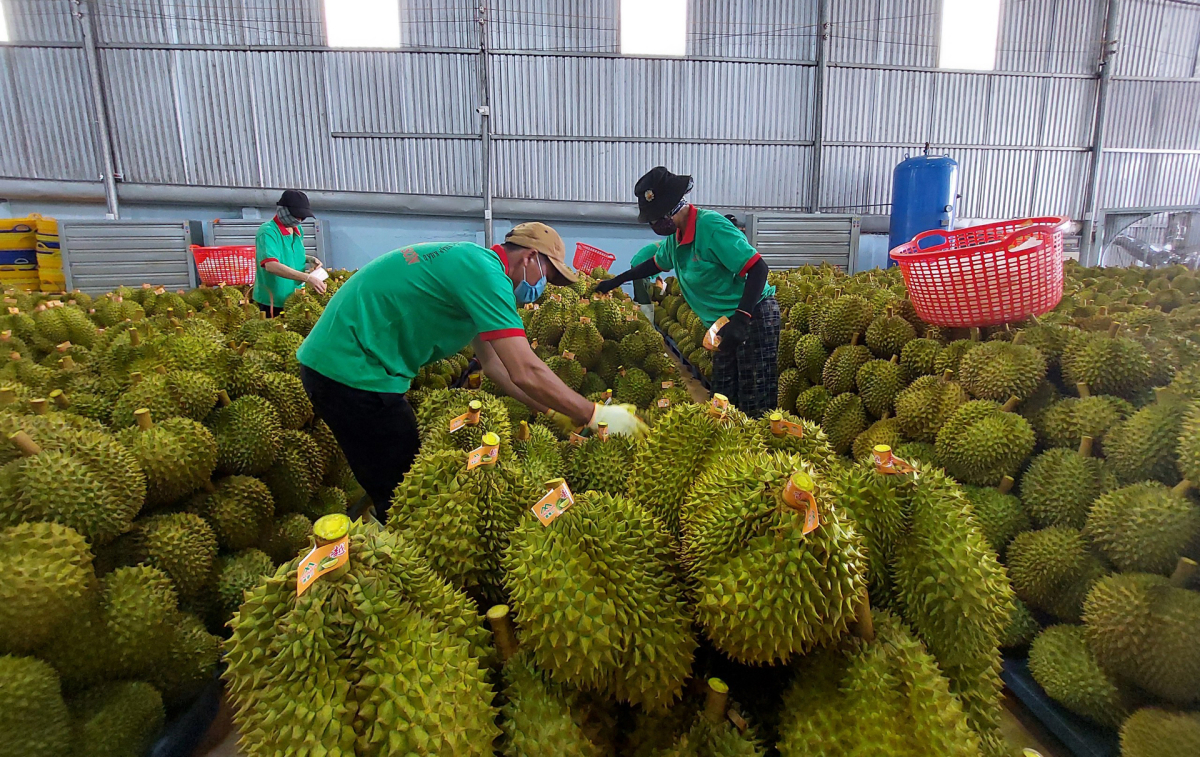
(924, 189)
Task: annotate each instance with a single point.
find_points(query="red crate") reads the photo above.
(588, 258)
(232, 266)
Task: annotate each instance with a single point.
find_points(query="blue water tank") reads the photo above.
(924, 189)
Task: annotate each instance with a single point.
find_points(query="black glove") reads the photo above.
(606, 286)
(734, 333)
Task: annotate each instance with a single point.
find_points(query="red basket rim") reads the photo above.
(910, 252)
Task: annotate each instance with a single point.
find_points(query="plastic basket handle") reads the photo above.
(916, 241)
(1017, 243)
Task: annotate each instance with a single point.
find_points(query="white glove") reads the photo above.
(621, 419)
(311, 263)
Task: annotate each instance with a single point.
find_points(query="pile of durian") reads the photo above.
(159, 457)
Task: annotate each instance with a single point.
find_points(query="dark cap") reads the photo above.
(658, 192)
(297, 203)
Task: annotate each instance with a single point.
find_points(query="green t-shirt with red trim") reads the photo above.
(407, 309)
(284, 245)
(710, 257)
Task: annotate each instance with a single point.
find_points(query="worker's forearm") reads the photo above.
(543, 386)
(495, 370)
(640, 271)
(279, 269)
(756, 279)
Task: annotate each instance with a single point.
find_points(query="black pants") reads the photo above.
(748, 376)
(270, 311)
(376, 430)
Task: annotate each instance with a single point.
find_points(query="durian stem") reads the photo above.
(1011, 405)
(1083, 390)
(223, 398)
(1006, 484)
(863, 619)
(1185, 570)
(67, 363)
(135, 337)
(716, 700)
(523, 432)
(144, 421)
(502, 631)
(885, 416)
(1144, 330)
(1085, 446)
(895, 359)
(1019, 338)
(39, 406)
(60, 399)
(7, 396)
(854, 340)
(1113, 328)
(28, 446)
(135, 378)
(974, 333)
(161, 370)
(947, 375)
(1182, 487)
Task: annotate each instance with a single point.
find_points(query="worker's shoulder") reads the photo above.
(711, 220)
(441, 255)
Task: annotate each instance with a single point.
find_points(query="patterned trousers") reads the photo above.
(748, 376)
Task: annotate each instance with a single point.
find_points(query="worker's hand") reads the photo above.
(315, 283)
(606, 286)
(734, 333)
(621, 419)
(311, 263)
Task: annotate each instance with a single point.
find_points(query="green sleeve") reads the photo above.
(730, 245)
(665, 256)
(489, 302)
(267, 246)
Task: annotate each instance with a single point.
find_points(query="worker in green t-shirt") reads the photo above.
(423, 303)
(281, 266)
(642, 287)
(721, 276)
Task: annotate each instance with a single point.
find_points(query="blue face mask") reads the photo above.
(529, 293)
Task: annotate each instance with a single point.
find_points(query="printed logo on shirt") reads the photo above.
(410, 255)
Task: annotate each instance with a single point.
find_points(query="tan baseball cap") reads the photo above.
(540, 237)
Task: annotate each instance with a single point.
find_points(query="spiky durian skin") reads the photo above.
(140, 612)
(541, 717)
(539, 454)
(599, 601)
(634, 388)
(1061, 663)
(298, 686)
(951, 356)
(1052, 570)
(461, 519)
(888, 335)
(1108, 365)
(1143, 447)
(239, 508)
(1066, 422)
(999, 370)
(35, 719)
(980, 444)
(843, 421)
(1143, 528)
(288, 537)
(960, 614)
(810, 356)
(328, 500)
(919, 357)
(286, 394)
(707, 737)
(237, 574)
(601, 464)
(1140, 629)
(872, 501)
(190, 663)
(813, 447)
(1022, 627)
(1153, 732)
(791, 383)
(247, 436)
(1000, 516)
(846, 316)
(49, 570)
(182, 545)
(879, 381)
(811, 403)
(177, 455)
(886, 431)
(296, 472)
(882, 697)
(117, 719)
(841, 369)
(925, 404)
(493, 418)
(1060, 486)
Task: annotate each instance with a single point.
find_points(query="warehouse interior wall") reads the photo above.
(247, 94)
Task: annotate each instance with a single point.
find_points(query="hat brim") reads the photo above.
(562, 275)
(302, 213)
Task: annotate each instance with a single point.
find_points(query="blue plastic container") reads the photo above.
(924, 189)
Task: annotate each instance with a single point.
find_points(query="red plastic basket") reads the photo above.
(985, 275)
(588, 258)
(232, 266)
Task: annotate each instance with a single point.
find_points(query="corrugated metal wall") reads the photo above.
(245, 93)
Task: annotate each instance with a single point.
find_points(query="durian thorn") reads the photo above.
(26, 445)
(1011, 405)
(1085, 446)
(854, 339)
(716, 700)
(1182, 487)
(1113, 328)
(142, 416)
(60, 399)
(39, 406)
(502, 630)
(1185, 570)
(863, 620)
(974, 333)
(223, 398)
(135, 378)
(1083, 390)
(895, 359)
(1019, 338)
(1006, 485)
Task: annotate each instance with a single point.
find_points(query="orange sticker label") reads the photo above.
(719, 405)
(533, 345)
(584, 319)
(668, 384)
(631, 317)
(553, 504)
(488, 454)
(469, 418)
(664, 402)
(781, 427)
(887, 463)
(531, 306)
(568, 355)
(798, 494)
(321, 561)
(556, 297)
(577, 440)
(662, 285)
(712, 337)
(13, 311)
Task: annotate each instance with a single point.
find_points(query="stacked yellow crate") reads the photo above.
(49, 256)
(18, 253)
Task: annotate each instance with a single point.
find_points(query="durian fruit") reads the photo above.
(1065, 423)
(1144, 527)
(584, 341)
(601, 463)
(35, 719)
(82, 479)
(1143, 447)
(117, 719)
(485, 415)
(953, 592)
(1022, 627)
(189, 665)
(1154, 732)
(811, 403)
(1061, 663)
(882, 695)
(787, 350)
(951, 356)
(182, 545)
(462, 519)
(845, 317)
(296, 473)
(999, 514)
(238, 508)
(873, 503)
(327, 500)
(843, 421)
(289, 536)
(712, 732)
(981, 443)
(536, 450)
(888, 335)
(540, 717)
(885, 431)
(1061, 484)
(999, 370)
(738, 522)
(247, 435)
(1107, 363)
(919, 357)
(791, 383)
(177, 455)
(810, 357)
(238, 573)
(383, 658)
(923, 407)
(634, 387)
(811, 446)
(596, 594)
(570, 371)
(1188, 451)
(1053, 570)
(1141, 628)
(286, 394)
(129, 633)
(49, 576)
(878, 382)
(841, 369)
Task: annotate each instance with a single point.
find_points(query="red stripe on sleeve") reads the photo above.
(264, 262)
(488, 336)
(750, 264)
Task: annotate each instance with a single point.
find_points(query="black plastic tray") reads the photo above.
(185, 731)
(696, 374)
(1081, 737)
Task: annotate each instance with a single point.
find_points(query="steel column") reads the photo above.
(99, 107)
(1089, 252)
(485, 125)
(814, 187)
